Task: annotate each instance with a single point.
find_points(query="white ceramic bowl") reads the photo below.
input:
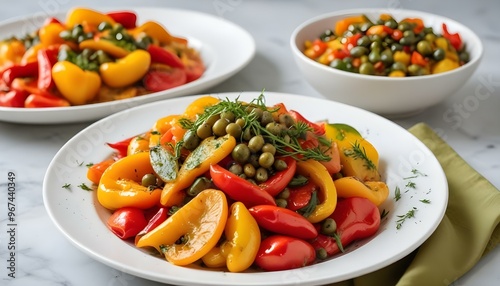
(388, 96)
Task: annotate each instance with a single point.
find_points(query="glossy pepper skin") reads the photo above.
(239, 189)
(283, 221)
(356, 218)
(120, 184)
(281, 252)
(199, 224)
(126, 222)
(376, 191)
(277, 182)
(327, 194)
(92, 17)
(76, 85)
(127, 70)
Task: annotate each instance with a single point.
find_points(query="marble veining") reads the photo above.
(468, 121)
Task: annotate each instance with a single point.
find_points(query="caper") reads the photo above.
(358, 51)
(386, 57)
(408, 40)
(148, 180)
(396, 47)
(233, 129)
(430, 38)
(364, 41)
(200, 184)
(104, 26)
(439, 54)
(404, 26)
(414, 70)
(286, 119)
(261, 175)
(229, 115)
(258, 113)
(240, 153)
(267, 117)
(247, 134)
(464, 56)
(212, 119)
(329, 226)
(365, 26)
(285, 194)
(399, 66)
(249, 170)
(391, 23)
(376, 46)
(191, 140)
(424, 48)
(236, 169)
(270, 148)
(274, 128)
(266, 160)
(366, 68)
(255, 144)
(376, 38)
(282, 203)
(219, 127)
(280, 165)
(338, 64)
(321, 253)
(374, 56)
(240, 122)
(204, 130)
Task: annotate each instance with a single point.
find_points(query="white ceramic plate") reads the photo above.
(207, 33)
(81, 219)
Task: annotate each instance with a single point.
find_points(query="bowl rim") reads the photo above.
(472, 63)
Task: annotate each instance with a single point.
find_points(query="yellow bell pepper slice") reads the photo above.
(358, 156)
(86, 16)
(104, 45)
(49, 34)
(242, 238)
(198, 225)
(127, 70)
(154, 30)
(198, 106)
(210, 151)
(375, 191)
(11, 52)
(120, 184)
(139, 143)
(316, 172)
(342, 25)
(76, 85)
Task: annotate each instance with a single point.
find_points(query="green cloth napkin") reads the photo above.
(469, 229)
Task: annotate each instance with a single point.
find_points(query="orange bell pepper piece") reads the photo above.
(375, 191)
(94, 173)
(198, 225)
(342, 25)
(88, 17)
(120, 184)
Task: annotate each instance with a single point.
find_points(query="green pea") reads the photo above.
(285, 194)
(364, 41)
(399, 66)
(366, 68)
(200, 184)
(374, 56)
(255, 144)
(391, 23)
(229, 115)
(282, 203)
(241, 153)
(236, 169)
(358, 51)
(249, 170)
(464, 56)
(386, 57)
(234, 130)
(424, 47)
(396, 47)
(439, 54)
(204, 130)
(321, 253)
(261, 175)
(405, 26)
(338, 64)
(219, 127)
(365, 26)
(148, 180)
(266, 160)
(270, 148)
(329, 227)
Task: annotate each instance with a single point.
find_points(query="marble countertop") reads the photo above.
(468, 123)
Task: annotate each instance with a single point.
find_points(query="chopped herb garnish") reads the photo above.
(84, 187)
(359, 152)
(417, 172)
(425, 201)
(66, 186)
(411, 185)
(89, 165)
(338, 241)
(384, 213)
(397, 194)
(311, 205)
(402, 218)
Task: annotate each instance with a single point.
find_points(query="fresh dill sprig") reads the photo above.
(402, 218)
(359, 152)
(425, 201)
(397, 194)
(411, 184)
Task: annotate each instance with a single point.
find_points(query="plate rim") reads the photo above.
(296, 272)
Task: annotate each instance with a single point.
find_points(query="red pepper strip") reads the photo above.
(352, 41)
(121, 147)
(317, 48)
(163, 56)
(17, 71)
(318, 128)
(356, 218)
(46, 60)
(283, 221)
(418, 59)
(127, 222)
(300, 196)
(13, 98)
(455, 39)
(159, 217)
(280, 180)
(51, 20)
(126, 18)
(46, 100)
(239, 189)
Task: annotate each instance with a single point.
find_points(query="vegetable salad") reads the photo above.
(93, 57)
(386, 47)
(235, 185)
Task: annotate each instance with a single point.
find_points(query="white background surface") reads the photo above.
(468, 121)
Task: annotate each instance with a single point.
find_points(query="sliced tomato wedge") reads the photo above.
(158, 80)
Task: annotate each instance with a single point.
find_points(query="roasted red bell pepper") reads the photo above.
(19, 71)
(51, 20)
(164, 56)
(280, 180)
(317, 128)
(239, 189)
(351, 41)
(127, 19)
(158, 80)
(418, 59)
(127, 222)
(283, 221)
(454, 38)
(300, 196)
(159, 217)
(13, 98)
(46, 60)
(356, 218)
(121, 147)
(281, 252)
(46, 100)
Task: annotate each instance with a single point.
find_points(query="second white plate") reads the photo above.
(224, 46)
